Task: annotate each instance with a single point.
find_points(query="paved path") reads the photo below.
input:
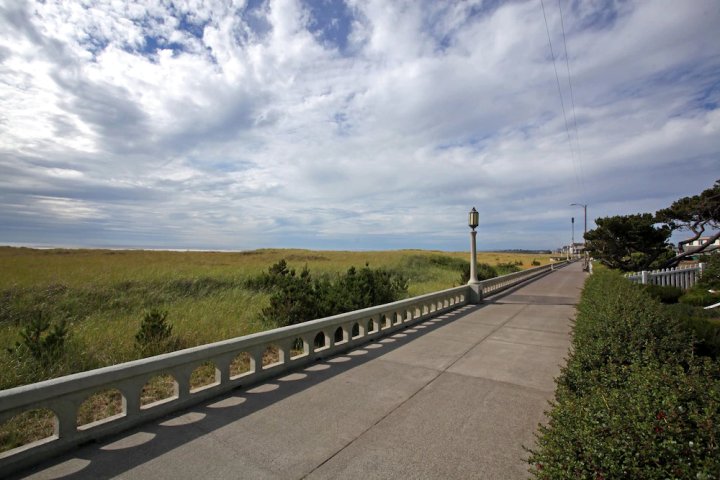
(455, 397)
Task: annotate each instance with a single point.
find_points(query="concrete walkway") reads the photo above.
(454, 397)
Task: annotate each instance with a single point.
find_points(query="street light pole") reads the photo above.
(584, 205)
(473, 282)
(585, 253)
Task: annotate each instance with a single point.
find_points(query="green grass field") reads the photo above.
(103, 294)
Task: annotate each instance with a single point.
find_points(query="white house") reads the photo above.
(695, 244)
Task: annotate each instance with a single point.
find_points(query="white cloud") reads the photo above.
(230, 125)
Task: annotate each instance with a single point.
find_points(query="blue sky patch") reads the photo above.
(330, 22)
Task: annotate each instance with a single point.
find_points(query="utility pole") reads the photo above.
(587, 260)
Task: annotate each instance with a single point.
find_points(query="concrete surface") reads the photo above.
(459, 396)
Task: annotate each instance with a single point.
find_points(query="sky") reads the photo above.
(355, 124)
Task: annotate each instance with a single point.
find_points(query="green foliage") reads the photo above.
(664, 293)
(633, 401)
(703, 324)
(658, 421)
(298, 298)
(629, 242)
(535, 263)
(696, 214)
(620, 325)
(43, 341)
(423, 268)
(700, 297)
(711, 274)
(484, 272)
(155, 334)
(505, 268)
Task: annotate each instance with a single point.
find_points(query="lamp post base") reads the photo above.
(475, 296)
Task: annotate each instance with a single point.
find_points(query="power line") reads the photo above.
(572, 96)
(562, 102)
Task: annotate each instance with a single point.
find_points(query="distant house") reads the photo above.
(696, 244)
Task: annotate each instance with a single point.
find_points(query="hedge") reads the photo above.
(634, 401)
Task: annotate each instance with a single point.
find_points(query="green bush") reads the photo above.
(707, 334)
(711, 275)
(484, 272)
(703, 324)
(620, 325)
(633, 401)
(155, 334)
(41, 340)
(658, 422)
(666, 294)
(699, 296)
(298, 298)
(508, 267)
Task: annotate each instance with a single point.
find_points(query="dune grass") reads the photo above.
(103, 294)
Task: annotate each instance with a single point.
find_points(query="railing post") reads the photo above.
(644, 277)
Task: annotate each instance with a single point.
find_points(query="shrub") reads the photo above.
(299, 298)
(155, 334)
(703, 324)
(535, 263)
(294, 298)
(707, 334)
(508, 267)
(484, 272)
(633, 401)
(42, 341)
(620, 325)
(659, 422)
(711, 275)
(699, 296)
(665, 294)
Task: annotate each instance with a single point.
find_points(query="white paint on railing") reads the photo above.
(63, 396)
(683, 278)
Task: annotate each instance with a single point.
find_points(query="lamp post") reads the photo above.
(585, 210)
(473, 222)
(586, 265)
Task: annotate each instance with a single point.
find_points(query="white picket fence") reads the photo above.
(683, 278)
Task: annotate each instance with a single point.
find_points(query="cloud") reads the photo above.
(358, 124)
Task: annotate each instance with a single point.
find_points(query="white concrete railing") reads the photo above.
(676, 277)
(63, 396)
(503, 282)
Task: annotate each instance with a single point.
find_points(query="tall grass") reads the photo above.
(103, 294)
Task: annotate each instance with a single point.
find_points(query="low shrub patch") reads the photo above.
(666, 294)
(634, 401)
(298, 298)
(700, 297)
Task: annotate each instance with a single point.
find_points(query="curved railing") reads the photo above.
(296, 346)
